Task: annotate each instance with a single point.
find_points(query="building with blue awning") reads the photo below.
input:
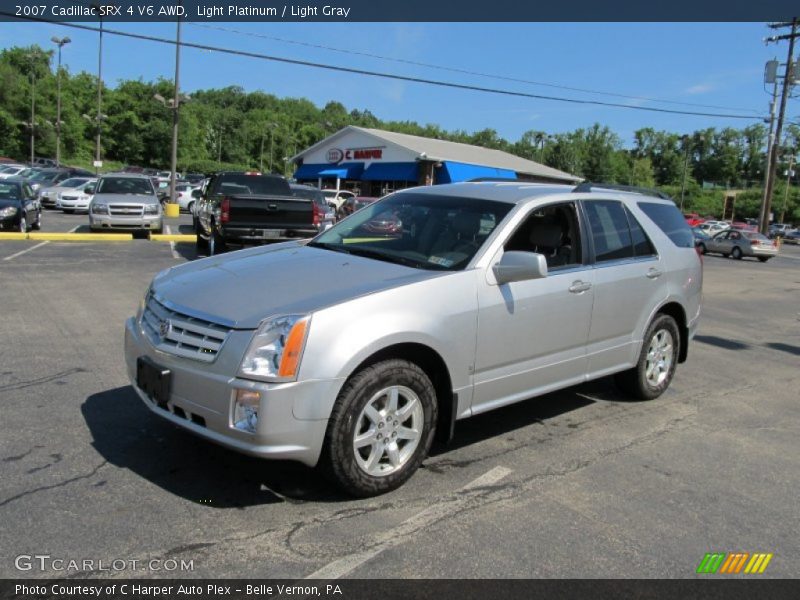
(373, 162)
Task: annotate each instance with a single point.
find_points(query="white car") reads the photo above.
(7, 171)
(183, 196)
(712, 227)
(78, 198)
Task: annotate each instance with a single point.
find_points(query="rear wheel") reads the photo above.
(381, 428)
(737, 253)
(764, 258)
(216, 243)
(190, 208)
(702, 248)
(657, 361)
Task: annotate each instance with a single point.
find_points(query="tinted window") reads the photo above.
(124, 185)
(9, 191)
(642, 246)
(260, 185)
(610, 231)
(669, 220)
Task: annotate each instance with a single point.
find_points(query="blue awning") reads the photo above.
(328, 171)
(451, 172)
(392, 171)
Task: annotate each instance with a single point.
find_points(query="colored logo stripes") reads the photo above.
(734, 562)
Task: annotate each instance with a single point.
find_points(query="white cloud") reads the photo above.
(700, 88)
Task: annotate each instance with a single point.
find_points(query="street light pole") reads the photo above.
(60, 42)
(33, 110)
(788, 183)
(176, 104)
(685, 167)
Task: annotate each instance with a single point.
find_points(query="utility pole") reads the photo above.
(60, 42)
(787, 84)
(770, 73)
(685, 139)
(788, 183)
(33, 108)
(176, 104)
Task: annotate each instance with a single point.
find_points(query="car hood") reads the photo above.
(242, 288)
(124, 199)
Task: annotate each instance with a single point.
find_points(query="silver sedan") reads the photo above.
(739, 244)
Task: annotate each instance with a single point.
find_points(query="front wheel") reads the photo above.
(23, 225)
(381, 428)
(657, 361)
(37, 224)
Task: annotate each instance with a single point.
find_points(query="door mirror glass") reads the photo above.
(520, 266)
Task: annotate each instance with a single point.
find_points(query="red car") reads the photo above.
(693, 219)
(742, 226)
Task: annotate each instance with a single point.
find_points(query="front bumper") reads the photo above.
(99, 222)
(202, 395)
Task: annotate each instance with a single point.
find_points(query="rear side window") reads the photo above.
(642, 246)
(669, 220)
(610, 231)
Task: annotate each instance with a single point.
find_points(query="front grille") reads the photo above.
(69, 197)
(179, 334)
(125, 210)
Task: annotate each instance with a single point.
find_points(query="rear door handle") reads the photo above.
(653, 273)
(578, 287)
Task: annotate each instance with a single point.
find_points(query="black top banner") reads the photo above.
(399, 10)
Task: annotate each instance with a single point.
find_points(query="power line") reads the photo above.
(392, 76)
(463, 71)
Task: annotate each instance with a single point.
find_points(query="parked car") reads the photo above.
(738, 244)
(19, 209)
(250, 208)
(693, 219)
(46, 178)
(743, 226)
(712, 227)
(77, 198)
(337, 197)
(45, 163)
(353, 352)
(700, 238)
(183, 196)
(49, 196)
(324, 216)
(779, 230)
(792, 237)
(7, 171)
(125, 202)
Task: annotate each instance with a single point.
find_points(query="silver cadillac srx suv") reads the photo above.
(354, 349)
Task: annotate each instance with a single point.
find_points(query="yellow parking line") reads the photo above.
(16, 235)
(82, 237)
(172, 237)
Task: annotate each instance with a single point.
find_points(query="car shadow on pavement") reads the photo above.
(784, 347)
(129, 436)
(721, 342)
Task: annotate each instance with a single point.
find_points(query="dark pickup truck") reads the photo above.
(251, 208)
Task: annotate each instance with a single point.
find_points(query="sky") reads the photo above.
(719, 64)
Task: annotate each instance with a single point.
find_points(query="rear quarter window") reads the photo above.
(669, 220)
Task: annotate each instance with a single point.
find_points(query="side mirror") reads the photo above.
(520, 266)
(197, 194)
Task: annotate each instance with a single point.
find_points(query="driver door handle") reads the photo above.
(653, 273)
(578, 287)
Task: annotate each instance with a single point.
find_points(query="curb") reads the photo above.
(172, 237)
(80, 237)
(13, 236)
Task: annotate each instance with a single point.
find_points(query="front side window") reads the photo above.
(610, 231)
(423, 231)
(553, 231)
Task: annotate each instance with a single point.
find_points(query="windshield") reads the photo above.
(45, 176)
(424, 231)
(9, 191)
(73, 182)
(125, 185)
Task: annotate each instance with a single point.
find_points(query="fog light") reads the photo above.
(245, 410)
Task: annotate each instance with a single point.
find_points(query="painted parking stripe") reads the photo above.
(20, 253)
(347, 564)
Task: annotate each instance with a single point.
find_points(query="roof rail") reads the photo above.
(497, 179)
(588, 186)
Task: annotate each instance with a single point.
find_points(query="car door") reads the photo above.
(531, 335)
(718, 242)
(629, 285)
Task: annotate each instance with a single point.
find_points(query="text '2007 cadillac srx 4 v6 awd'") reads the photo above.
(354, 349)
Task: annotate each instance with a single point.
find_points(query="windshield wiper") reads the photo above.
(391, 258)
(332, 247)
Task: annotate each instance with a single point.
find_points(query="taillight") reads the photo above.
(317, 214)
(225, 210)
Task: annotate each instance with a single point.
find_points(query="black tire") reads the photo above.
(338, 460)
(190, 208)
(702, 248)
(635, 381)
(23, 224)
(37, 224)
(764, 258)
(736, 253)
(69, 211)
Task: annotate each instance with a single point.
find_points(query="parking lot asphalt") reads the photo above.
(579, 483)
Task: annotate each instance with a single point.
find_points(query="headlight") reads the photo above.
(100, 209)
(8, 211)
(151, 209)
(276, 349)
